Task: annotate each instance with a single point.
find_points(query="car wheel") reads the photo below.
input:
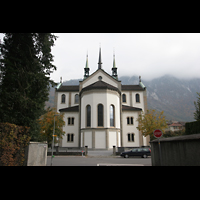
(144, 156)
(126, 156)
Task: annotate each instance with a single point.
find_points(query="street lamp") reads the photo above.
(53, 139)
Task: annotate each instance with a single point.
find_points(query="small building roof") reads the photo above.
(100, 85)
(70, 109)
(175, 124)
(70, 88)
(130, 108)
(132, 87)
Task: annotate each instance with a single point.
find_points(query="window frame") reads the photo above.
(112, 123)
(63, 97)
(88, 118)
(137, 98)
(123, 98)
(100, 121)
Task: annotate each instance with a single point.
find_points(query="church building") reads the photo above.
(100, 112)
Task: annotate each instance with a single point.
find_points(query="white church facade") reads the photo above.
(100, 112)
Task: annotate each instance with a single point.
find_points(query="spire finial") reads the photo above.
(61, 79)
(114, 69)
(114, 66)
(99, 63)
(86, 69)
(86, 65)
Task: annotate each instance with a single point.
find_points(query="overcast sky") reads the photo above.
(147, 54)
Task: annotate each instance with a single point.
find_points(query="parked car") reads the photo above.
(141, 151)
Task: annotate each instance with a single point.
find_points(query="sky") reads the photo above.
(149, 55)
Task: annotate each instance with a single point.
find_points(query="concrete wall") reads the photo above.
(177, 151)
(37, 154)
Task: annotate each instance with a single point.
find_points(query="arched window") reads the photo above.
(100, 115)
(88, 116)
(112, 115)
(137, 96)
(76, 99)
(123, 98)
(63, 98)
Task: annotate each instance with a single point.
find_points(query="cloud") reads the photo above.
(147, 54)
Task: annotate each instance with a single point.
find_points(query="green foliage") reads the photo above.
(46, 122)
(150, 121)
(25, 65)
(192, 127)
(197, 106)
(13, 140)
(173, 133)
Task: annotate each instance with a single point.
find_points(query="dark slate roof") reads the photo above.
(70, 109)
(70, 88)
(132, 87)
(100, 85)
(130, 108)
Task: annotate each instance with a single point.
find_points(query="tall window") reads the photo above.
(70, 137)
(76, 98)
(137, 96)
(88, 113)
(130, 137)
(123, 98)
(112, 115)
(63, 98)
(129, 120)
(100, 115)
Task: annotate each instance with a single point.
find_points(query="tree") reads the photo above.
(46, 122)
(197, 106)
(25, 67)
(150, 121)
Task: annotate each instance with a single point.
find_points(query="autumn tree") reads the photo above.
(150, 121)
(197, 106)
(46, 122)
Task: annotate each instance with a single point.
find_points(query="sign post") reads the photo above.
(158, 133)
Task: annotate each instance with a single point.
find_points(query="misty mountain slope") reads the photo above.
(175, 96)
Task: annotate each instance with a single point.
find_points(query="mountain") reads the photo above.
(175, 96)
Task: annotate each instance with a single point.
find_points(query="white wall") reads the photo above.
(112, 137)
(71, 129)
(88, 139)
(100, 139)
(105, 98)
(62, 105)
(130, 129)
(134, 103)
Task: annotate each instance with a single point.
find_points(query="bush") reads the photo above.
(192, 128)
(13, 140)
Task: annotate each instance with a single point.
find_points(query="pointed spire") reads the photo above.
(87, 69)
(114, 65)
(100, 63)
(86, 65)
(114, 69)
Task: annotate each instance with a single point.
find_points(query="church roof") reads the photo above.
(130, 108)
(132, 87)
(70, 109)
(100, 85)
(70, 88)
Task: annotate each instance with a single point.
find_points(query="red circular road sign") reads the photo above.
(157, 133)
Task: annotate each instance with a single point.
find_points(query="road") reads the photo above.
(98, 161)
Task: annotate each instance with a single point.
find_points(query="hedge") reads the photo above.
(192, 127)
(13, 140)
